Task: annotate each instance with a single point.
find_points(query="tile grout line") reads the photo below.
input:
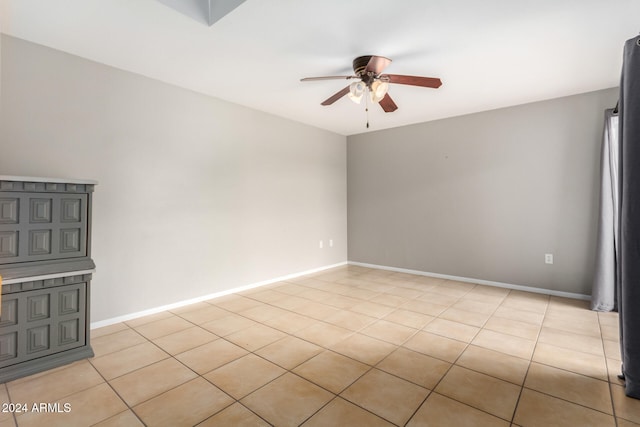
(524, 380)
(13, 414)
(325, 348)
(606, 362)
(576, 373)
(60, 369)
(396, 283)
(452, 364)
(329, 349)
(119, 397)
(396, 308)
(171, 356)
(272, 380)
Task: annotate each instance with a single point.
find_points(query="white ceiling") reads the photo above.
(489, 54)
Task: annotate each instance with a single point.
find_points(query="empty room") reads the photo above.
(319, 213)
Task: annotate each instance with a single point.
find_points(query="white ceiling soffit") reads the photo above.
(205, 11)
(489, 54)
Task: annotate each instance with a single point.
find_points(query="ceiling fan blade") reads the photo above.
(387, 104)
(310, 79)
(377, 64)
(412, 80)
(336, 96)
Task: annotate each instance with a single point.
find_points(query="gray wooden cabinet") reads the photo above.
(46, 269)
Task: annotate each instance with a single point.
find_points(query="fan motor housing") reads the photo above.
(360, 63)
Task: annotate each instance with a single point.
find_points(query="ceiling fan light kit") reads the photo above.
(378, 90)
(356, 90)
(368, 71)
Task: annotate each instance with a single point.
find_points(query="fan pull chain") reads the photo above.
(366, 108)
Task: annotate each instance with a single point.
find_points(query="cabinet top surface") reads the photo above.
(45, 179)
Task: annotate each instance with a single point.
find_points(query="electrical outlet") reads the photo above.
(330, 243)
(321, 244)
(548, 258)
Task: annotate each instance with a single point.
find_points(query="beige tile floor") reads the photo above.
(349, 346)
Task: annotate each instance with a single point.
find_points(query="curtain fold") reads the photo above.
(628, 277)
(603, 293)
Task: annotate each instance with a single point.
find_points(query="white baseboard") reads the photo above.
(155, 310)
(478, 281)
(131, 316)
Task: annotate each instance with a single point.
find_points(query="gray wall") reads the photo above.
(485, 195)
(196, 195)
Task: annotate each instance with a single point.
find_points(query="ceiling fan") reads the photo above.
(368, 71)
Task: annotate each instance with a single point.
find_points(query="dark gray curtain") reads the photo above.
(628, 280)
(603, 294)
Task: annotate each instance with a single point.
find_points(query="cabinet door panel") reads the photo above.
(37, 339)
(8, 346)
(9, 210)
(42, 322)
(42, 226)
